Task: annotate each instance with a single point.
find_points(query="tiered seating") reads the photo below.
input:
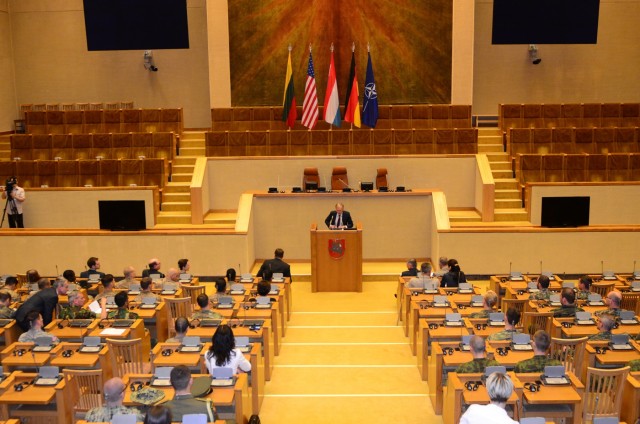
(341, 142)
(79, 173)
(159, 145)
(578, 167)
(103, 120)
(569, 115)
(573, 140)
(390, 116)
(76, 106)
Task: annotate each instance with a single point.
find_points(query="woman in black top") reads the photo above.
(454, 276)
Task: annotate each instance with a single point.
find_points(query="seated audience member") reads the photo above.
(184, 266)
(158, 414)
(541, 343)
(154, 268)
(108, 284)
(584, 287)
(181, 326)
(205, 311)
(35, 329)
(221, 290)
(145, 291)
(511, 319)
(605, 324)
(93, 264)
(75, 309)
(173, 276)
(412, 269)
(129, 278)
(122, 302)
(44, 302)
(231, 275)
(33, 276)
(635, 365)
(5, 309)
(183, 402)
(443, 266)
(263, 290)
(223, 352)
(613, 301)
(10, 286)
(488, 303)
(276, 265)
(568, 301)
(70, 276)
(499, 387)
(113, 391)
(479, 362)
(543, 292)
(454, 276)
(423, 277)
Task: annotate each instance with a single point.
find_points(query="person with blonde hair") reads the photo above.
(499, 387)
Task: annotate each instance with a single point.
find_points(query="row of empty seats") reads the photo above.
(573, 140)
(569, 115)
(578, 167)
(160, 145)
(75, 106)
(103, 121)
(80, 173)
(342, 142)
(389, 116)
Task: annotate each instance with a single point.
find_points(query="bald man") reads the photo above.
(154, 268)
(129, 278)
(113, 391)
(478, 350)
(339, 219)
(613, 301)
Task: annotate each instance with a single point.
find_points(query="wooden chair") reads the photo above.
(534, 321)
(518, 304)
(570, 352)
(631, 302)
(178, 307)
(602, 288)
(127, 358)
(603, 392)
(339, 178)
(85, 391)
(193, 292)
(381, 178)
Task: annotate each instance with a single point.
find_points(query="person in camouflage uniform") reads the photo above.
(34, 319)
(145, 291)
(113, 391)
(635, 365)
(584, 287)
(605, 325)
(129, 278)
(489, 301)
(478, 349)
(613, 301)
(75, 310)
(511, 319)
(541, 342)
(5, 301)
(181, 326)
(205, 311)
(543, 292)
(568, 308)
(10, 285)
(122, 301)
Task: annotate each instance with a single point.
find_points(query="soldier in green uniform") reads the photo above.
(511, 319)
(75, 308)
(205, 311)
(183, 402)
(10, 286)
(113, 391)
(584, 287)
(613, 301)
(541, 342)
(568, 308)
(122, 302)
(488, 302)
(543, 292)
(129, 278)
(605, 325)
(181, 326)
(480, 361)
(635, 365)
(145, 291)
(5, 301)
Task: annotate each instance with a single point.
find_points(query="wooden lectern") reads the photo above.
(336, 260)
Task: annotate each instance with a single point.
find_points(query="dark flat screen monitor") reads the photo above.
(559, 212)
(366, 186)
(122, 215)
(311, 185)
(136, 24)
(545, 21)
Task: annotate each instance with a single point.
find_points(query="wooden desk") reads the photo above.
(266, 314)
(193, 360)
(419, 312)
(10, 333)
(81, 361)
(70, 334)
(136, 331)
(29, 359)
(155, 320)
(577, 331)
(426, 336)
(47, 403)
(612, 358)
(631, 398)
(236, 396)
(554, 395)
(439, 367)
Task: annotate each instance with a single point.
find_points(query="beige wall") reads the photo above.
(603, 72)
(53, 65)
(219, 58)
(8, 108)
(609, 204)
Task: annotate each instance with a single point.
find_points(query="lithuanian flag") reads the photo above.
(289, 113)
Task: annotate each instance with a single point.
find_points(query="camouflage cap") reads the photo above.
(147, 396)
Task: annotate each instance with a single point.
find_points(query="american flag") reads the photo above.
(310, 104)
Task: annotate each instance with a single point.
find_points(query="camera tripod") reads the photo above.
(9, 203)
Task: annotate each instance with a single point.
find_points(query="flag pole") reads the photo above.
(353, 50)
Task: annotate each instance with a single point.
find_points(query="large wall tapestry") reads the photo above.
(410, 43)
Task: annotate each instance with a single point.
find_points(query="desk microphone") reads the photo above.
(57, 272)
(602, 267)
(345, 184)
(509, 268)
(541, 268)
(634, 267)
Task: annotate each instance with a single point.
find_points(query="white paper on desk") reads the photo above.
(113, 331)
(95, 307)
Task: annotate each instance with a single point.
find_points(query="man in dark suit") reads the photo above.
(412, 269)
(276, 265)
(94, 265)
(44, 301)
(154, 268)
(339, 219)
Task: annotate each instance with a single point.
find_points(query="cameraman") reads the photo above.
(14, 202)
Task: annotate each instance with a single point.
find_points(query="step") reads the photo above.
(515, 214)
(191, 143)
(181, 178)
(176, 197)
(490, 148)
(506, 183)
(184, 160)
(179, 187)
(464, 216)
(192, 135)
(174, 218)
(221, 218)
(182, 169)
(502, 173)
(500, 165)
(507, 203)
(507, 194)
(490, 139)
(192, 151)
(498, 157)
(176, 207)
(5, 155)
(489, 131)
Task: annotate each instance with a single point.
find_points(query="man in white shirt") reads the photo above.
(14, 202)
(499, 388)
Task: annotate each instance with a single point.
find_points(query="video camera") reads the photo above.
(10, 183)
